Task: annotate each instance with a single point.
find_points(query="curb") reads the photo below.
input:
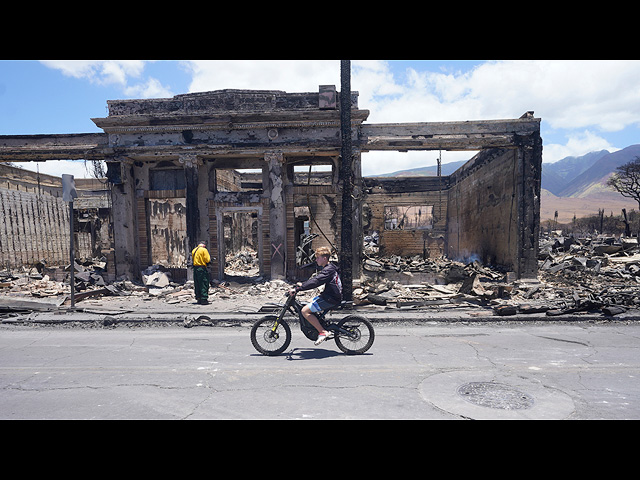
(199, 318)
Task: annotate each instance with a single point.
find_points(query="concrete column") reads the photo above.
(277, 214)
(125, 231)
(197, 205)
(528, 196)
(356, 218)
(191, 166)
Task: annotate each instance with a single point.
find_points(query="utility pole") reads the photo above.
(346, 179)
(68, 194)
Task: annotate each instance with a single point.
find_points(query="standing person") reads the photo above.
(330, 296)
(201, 258)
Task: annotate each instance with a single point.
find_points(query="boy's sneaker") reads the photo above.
(322, 337)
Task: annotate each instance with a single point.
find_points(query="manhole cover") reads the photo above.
(495, 395)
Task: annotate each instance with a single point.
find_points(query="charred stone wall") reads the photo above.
(493, 209)
(34, 220)
(34, 227)
(482, 208)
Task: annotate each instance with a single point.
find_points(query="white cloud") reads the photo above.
(287, 75)
(577, 144)
(565, 94)
(123, 73)
(151, 89)
(76, 168)
(372, 78)
(103, 72)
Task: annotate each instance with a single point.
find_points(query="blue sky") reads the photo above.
(585, 105)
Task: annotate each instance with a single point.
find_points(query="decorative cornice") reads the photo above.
(226, 126)
(190, 160)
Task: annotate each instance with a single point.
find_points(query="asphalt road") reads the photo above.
(434, 370)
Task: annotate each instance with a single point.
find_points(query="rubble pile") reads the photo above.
(26, 282)
(450, 271)
(243, 263)
(393, 294)
(43, 281)
(451, 282)
(593, 274)
(597, 259)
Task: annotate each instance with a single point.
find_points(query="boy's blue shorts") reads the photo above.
(319, 304)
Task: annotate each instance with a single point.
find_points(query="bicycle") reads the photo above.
(271, 335)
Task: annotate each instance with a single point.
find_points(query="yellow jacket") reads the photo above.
(200, 256)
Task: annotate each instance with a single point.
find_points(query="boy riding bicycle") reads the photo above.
(330, 297)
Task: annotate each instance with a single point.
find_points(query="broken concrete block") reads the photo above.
(156, 279)
(23, 304)
(504, 310)
(471, 286)
(634, 269)
(557, 268)
(512, 277)
(532, 308)
(580, 261)
(82, 276)
(455, 274)
(372, 266)
(613, 310)
(377, 299)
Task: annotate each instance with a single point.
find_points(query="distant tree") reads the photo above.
(627, 181)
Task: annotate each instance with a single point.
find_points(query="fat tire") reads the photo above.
(283, 327)
(364, 324)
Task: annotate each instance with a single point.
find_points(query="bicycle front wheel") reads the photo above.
(270, 337)
(359, 336)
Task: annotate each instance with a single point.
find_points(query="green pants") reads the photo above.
(201, 282)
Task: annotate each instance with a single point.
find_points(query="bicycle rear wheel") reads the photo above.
(360, 335)
(269, 340)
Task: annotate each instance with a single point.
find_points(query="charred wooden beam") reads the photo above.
(346, 180)
(465, 135)
(77, 146)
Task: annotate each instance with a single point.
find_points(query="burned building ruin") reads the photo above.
(234, 168)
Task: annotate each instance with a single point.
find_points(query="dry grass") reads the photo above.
(567, 207)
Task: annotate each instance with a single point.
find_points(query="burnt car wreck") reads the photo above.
(240, 169)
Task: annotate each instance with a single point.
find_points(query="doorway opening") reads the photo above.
(167, 240)
(241, 244)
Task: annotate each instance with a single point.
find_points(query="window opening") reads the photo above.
(239, 180)
(303, 237)
(320, 174)
(408, 217)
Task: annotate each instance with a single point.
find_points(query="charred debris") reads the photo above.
(593, 274)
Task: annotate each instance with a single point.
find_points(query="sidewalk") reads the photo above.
(110, 311)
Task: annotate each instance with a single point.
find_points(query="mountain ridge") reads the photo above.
(600, 170)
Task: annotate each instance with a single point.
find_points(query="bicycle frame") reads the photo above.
(293, 306)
